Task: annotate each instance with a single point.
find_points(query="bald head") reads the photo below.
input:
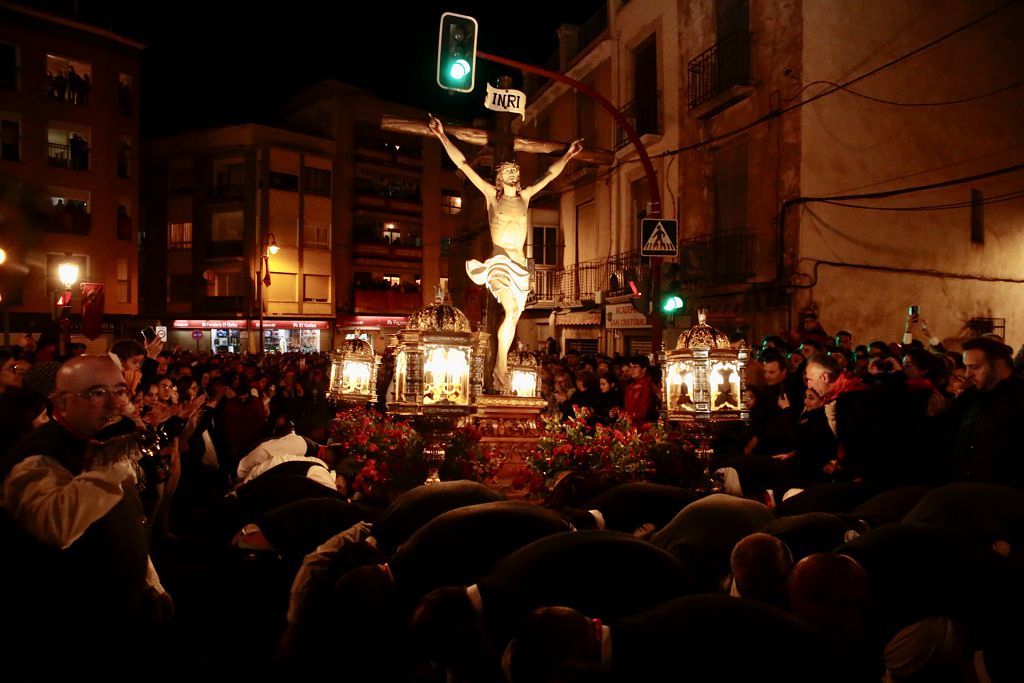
(75, 379)
(760, 564)
(829, 591)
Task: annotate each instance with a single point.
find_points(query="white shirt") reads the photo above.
(56, 507)
(318, 470)
(290, 444)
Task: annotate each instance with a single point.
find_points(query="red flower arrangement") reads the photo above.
(383, 455)
(590, 458)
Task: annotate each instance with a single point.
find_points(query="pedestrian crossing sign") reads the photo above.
(658, 237)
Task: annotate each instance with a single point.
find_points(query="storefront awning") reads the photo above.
(579, 318)
(372, 321)
(268, 324)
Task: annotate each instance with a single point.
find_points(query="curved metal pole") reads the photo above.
(645, 161)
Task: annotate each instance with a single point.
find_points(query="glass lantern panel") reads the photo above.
(445, 375)
(680, 386)
(335, 376)
(725, 386)
(524, 383)
(401, 370)
(355, 377)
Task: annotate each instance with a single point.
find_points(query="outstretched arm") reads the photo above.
(458, 157)
(554, 170)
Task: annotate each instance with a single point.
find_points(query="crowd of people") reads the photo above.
(69, 86)
(870, 524)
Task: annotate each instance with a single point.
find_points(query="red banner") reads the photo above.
(92, 309)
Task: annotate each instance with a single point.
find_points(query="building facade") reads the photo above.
(841, 158)
(69, 131)
(240, 218)
(348, 221)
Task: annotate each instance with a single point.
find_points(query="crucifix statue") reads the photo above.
(505, 272)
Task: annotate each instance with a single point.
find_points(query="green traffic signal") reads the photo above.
(673, 304)
(456, 52)
(459, 70)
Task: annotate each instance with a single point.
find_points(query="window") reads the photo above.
(124, 290)
(68, 80)
(226, 227)
(282, 287)
(229, 178)
(316, 235)
(68, 147)
(224, 283)
(179, 288)
(731, 187)
(545, 246)
(586, 116)
(392, 235)
(443, 286)
(316, 288)
(446, 245)
(645, 86)
(394, 281)
(977, 217)
(124, 94)
(9, 66)
(451, 202)
(71, 211)
(124, 156)
(179, 176)
(124, 222)
(10, 136)
(318, 181)
(179, 236)
(284, 181)
(731, 16)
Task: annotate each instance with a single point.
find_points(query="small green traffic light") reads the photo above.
(459, 70)
(673, 304)
(456, 52)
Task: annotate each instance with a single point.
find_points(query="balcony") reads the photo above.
(386, 301)
(224, 249)
(589, 281)
(642, 115)
(223, 304)
(74, 155)
(392, 252)
(722, 258)
(720, 76)
(70, 221)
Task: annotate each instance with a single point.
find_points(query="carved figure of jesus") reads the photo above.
(505, 272)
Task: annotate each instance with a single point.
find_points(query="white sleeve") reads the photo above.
(55, 507)
(318, 563)
(255, 457)
(152, 578)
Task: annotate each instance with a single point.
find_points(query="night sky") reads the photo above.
(221, 62)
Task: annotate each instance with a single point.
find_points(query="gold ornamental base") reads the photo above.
(510, 427)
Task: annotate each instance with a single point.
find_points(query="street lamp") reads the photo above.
(268, 248)
(67, 273)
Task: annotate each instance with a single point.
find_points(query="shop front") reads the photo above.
(374, 329)
(627, 331)
(580, 331)
(233, 336)
(214, 336)
(291, 336)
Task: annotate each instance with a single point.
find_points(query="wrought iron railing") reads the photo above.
(720, 67)
(725, 257)
(642, 114)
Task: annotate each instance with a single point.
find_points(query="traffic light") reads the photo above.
(672, 299)
(456, 52)
(640, 294)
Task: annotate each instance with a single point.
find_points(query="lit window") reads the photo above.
(451, 202)
(179, 236)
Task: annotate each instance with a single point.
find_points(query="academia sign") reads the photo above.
(623, 316)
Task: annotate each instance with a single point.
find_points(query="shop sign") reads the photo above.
(209, 324)
(373, 321)
(623, 316)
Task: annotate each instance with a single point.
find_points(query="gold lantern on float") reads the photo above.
(353, 373)
(523, 370)
(704, 381)
(433, 369)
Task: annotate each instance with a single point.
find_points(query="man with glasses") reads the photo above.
(12, 371)
(80, 532)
